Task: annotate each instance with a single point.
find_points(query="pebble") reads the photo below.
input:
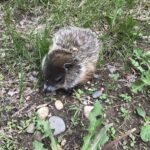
(63, 142)
(97, 94)
(38, 136)
(59, 105)
(43, 112)
(30, 128)
(12, 93)
(96, 76)
(87, 110)
(35, 73)
(27, 98)
(57, 124)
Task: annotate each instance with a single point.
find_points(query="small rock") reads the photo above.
(27, 98)
(38, 136)
(97, 94)
(96, 76)
(102, 89)
(31, 128)
(87, 110)
(57, 124)
(12, 93)
(63, 142)
(43, 112)
(59, 105)
(35, 73)
(111, 68)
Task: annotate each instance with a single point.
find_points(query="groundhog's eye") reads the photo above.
(59, 78)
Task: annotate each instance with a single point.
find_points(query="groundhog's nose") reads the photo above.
(48, 88)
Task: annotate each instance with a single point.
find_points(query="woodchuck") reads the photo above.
(71, 59)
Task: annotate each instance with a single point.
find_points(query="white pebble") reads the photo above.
(43, 112)
(59, 105)
(87, 110)
(31, 128)
(63, 142)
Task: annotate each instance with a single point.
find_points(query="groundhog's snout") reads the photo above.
(48, 88)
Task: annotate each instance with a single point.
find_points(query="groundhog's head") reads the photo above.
(55, 67)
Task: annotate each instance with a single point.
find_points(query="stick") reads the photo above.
(109, 145)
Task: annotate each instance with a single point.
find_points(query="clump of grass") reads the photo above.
(141, 62)
(17, 40)
(41, 43)
(121, 32)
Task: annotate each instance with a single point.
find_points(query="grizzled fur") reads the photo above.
(71, 59)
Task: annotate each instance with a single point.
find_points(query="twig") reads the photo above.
(110, 145)
(20, 110)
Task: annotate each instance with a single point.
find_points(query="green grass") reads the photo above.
(120, 24)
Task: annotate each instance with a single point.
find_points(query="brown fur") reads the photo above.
(89, 73)
(60, 57)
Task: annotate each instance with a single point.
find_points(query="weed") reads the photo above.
(44, 127)
(8, 142)
(145, 133)
(114, 76)
(104, 96)
(124, 113)
(141, 62)
(90, 90)
(132, 141)
(78, 93)
(145, 129)
(141, 112)
(95, 140)
(75, 117)
(125, 97)
(112, 132)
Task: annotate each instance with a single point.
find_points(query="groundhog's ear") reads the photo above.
(67, 66)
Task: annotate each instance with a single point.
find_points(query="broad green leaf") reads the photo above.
(95, 120)
(146, 77)
(44, 127)
(101, 138)
(145, 133)
(137, 86)
(141, 112)
(96, 112)
(38, 146)
(137, 65)
(138, 53)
